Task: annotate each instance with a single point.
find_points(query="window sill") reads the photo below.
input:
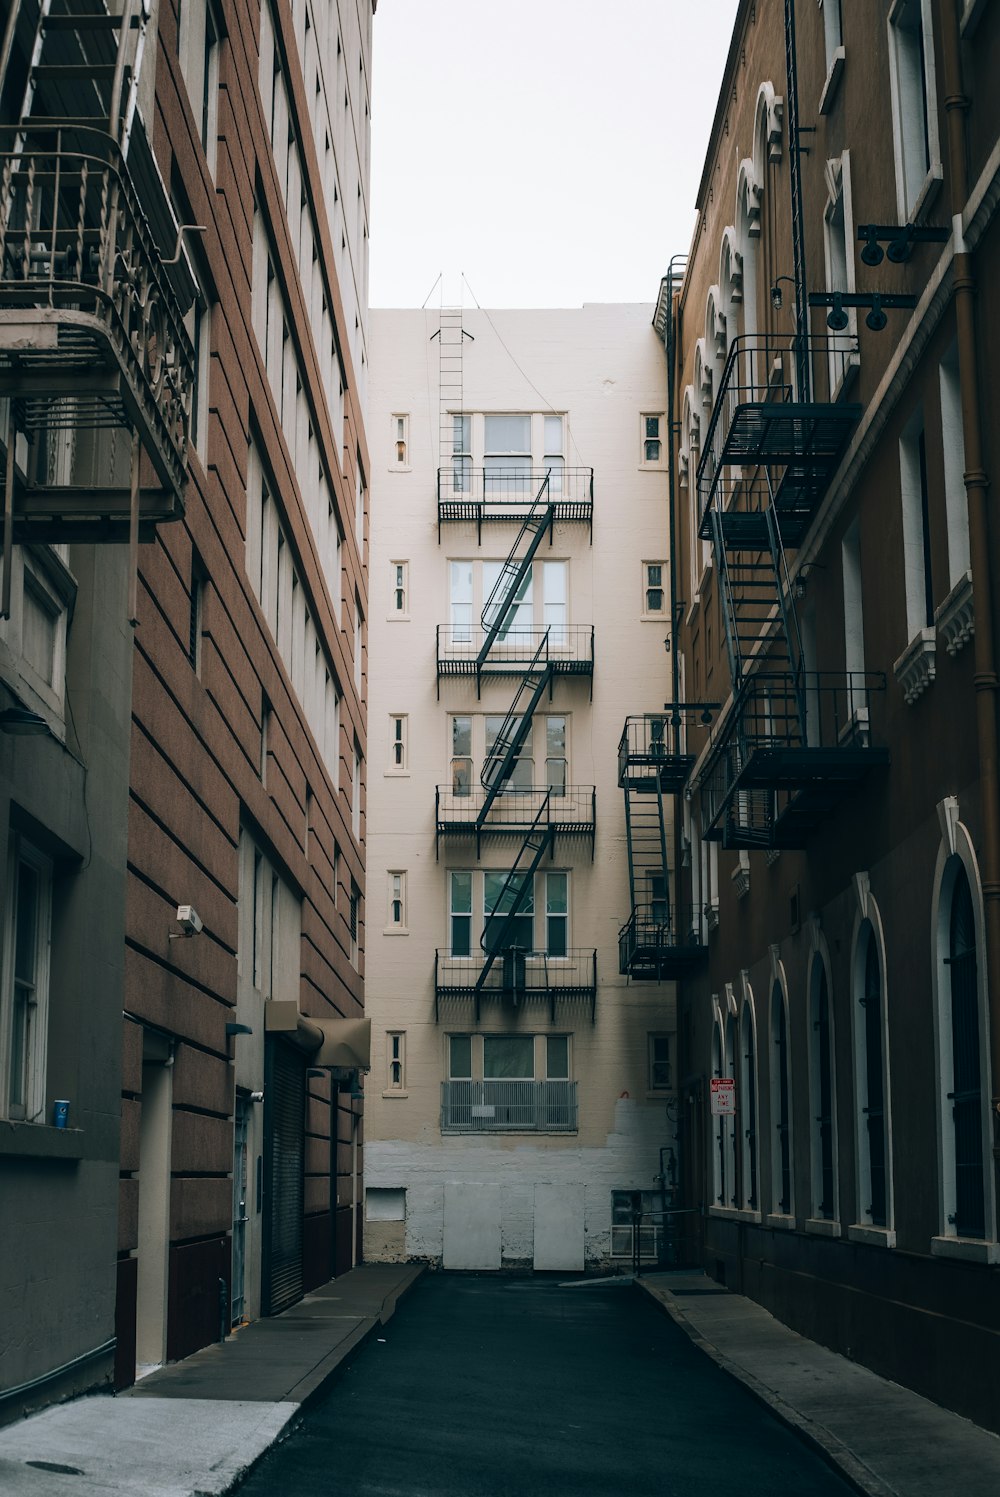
(734, 1214)
(400, 468)
(972, 1249)
(38, 1141)
(927, 194)
(395, 930)
(874, 1236)
(397, 774)
(397, 618)
(822, 1226)
(832, 84)
(916, 667)
(660, 1094)
(955, 620)
(396, 1093)
(653, 618)
(780, 1220)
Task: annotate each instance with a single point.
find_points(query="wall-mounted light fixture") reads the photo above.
(21, 722)
(776, 294)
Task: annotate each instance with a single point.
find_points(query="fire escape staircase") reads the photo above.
(500, 927)
(792, 739)
(92, 336)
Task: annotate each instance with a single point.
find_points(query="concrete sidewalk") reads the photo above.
(886, 1441)
(195, 1428)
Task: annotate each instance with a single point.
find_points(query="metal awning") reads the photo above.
(346, 1043)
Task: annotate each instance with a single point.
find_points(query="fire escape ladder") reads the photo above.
(786, 609)
(518, 884)
(646, 835)
(501, 760)
(503, 597)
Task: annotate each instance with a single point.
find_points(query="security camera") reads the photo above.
(256, 1096)
(189, 920)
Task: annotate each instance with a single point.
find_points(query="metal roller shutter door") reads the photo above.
(285, 1138)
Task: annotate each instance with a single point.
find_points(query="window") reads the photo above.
(508, 912)
(748, 1110)
(965, 1198)
(518, 618)
(871, 1082)
(659, 1062)
(269, 925)
(359, 502)
(838, 242)
(555, 755)
(653, 596)
(953, 437)
(355, 920)
(24, 996)
(501, 1083)
(460, 1056)
(652, 441)
(396, 1061)
(196, 606)
(823, 1128)
(719, 1127)
(265, 735)
(557, 1057)
(398, 742)
(356, 795)
(624, 1224)
(914, 104)
(918, 581)
(781, 1154)
(461, 460)
(397, 902)
(461, 756)
(359, 620)
(401, 441)
(460, 589)
(509, 1055)
(198, 323)
(199, 37)
(507, 454)
(554, 458)
(854, 623)
(460, 913)
(400, 605)
(556, 914)
(833, 36)
(554, 581)
(522, 776)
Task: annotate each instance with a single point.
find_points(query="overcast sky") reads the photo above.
(549, 150)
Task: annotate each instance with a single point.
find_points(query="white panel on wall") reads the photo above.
(559, 1227)
(471, 1225)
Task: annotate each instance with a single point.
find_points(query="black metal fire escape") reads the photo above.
(92, 338)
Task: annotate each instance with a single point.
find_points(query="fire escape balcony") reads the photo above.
(649, 758)
(759, 426)
(517, 976)
(91, 333)
(566, 650)
(654, 948)
(765, 783)
(488, 495)
(471, 811)
(508, 1106)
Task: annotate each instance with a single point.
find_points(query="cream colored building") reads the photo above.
(518, 616)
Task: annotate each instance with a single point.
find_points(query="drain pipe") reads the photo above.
(957, 105)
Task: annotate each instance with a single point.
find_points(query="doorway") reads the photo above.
(154, 1203)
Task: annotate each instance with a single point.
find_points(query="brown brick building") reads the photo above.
(835, 609)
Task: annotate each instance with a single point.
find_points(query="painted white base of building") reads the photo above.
(486, 1203)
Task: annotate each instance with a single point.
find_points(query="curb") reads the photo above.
(819, 1439)
(338, 1360)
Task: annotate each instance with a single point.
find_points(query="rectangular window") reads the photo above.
(355, 912)
(460, 1057)
(659, 1062)
(554, 594)
(24, 994)
(460, 589)
(652, 441)
(653, 595)
(556, 914)
(356, 795)
(507, 455)
(401, 441)
(499, 896)
(400, 588)
(554, 456)
(358, 635)
(517, 619)
(397, 901)
(914, 103)
(556, 774)
(265, 734)
(359, 502)
(916, 528)
(838, 243)
(460, 913)
(509, 1056)
(196, 605)
(557, 1057)
(198, 323)
(396, 1061)
(461, 458)
(635, 1212)
(953, 435)
(398, 742)
(523, 774)
(833, 36)
(461, 755)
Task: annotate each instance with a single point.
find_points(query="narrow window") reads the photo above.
(460, 1057)
(265, 734)
(354, 916)
(358, 637)
(918, 582)
(356, 795)
(914, 104)
(833, 36)
(556, 774)
(460, 585)
(398, 742)
(556, 914)
(460, 913)
(652, 587)
(659, 1062)
(396, 1047)
(508, 912)
(401, 440)
(196, 605)
(782, 1156)
(749, 1112)
(397, 901)
(461, 454)
(24, 1005)
(210, 85)
(555, 577)
(557, 1057)
(554, 458)
(953, 435)
(821, 1084)
(461, 755)
(652, 440)
(400, 588)
(969, 1218)
(871, 1085)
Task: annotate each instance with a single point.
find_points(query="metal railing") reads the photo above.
(512, 488)
(650, 938)
(83, 289)
(759, 370)
(569, 647)
(544, 976)
(516, 809)
(505, 1106)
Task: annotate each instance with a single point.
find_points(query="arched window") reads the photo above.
(748, 1108)
(871, 1088)
(729, 1167)
(966, 1077)
(719, 1149)
(781, 1153)
(824, 1185)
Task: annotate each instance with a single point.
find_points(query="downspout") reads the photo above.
(957, 104)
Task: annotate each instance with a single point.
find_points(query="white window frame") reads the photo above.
(655, 465)
(396, 910)
(841, 275)
(395, 1063)
(35, 1043)
(199, 45)
(912, 496)
(399, 436)
(915, 188)
(399, 744)
(656, 615)
(399, 591)
(953, 441)
(833, 49)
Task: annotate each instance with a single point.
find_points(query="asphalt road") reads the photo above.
(495, 1387)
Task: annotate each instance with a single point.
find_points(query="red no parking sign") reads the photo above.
(723, 1095)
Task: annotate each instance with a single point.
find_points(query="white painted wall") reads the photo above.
(603, 367)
